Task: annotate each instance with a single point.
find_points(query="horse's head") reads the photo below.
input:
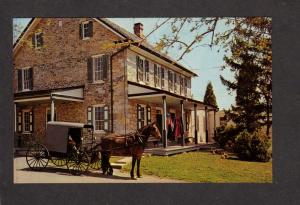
(154, 131)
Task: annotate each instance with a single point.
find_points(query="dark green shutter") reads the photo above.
(90, 69)
(20, 80)
(19, 121)
(90, 29)
(148, 115)
(137, 68)
(31, 78)
(31, 118)
(106, 63)
(80, 31)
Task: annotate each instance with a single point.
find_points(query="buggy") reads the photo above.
(64, 146)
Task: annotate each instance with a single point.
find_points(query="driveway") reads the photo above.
(53, 174)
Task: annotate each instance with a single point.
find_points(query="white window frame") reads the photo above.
(145, 114)
(82, 30)
(143, 81)
(35, 40)
(94, 68)
(23, 78)
(94, 117)
(24, 131)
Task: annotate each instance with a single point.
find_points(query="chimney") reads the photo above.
(138, 29)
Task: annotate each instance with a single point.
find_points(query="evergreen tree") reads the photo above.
(209, 97)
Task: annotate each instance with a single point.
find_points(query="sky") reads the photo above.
(204, 61)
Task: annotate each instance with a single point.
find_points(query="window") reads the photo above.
(181, 85)
(140, 69)
(27, 121)
(170, 80)
(162, 77)
(143, 115)
(25, 79)
(86, 30)
(176, 82)
(185, 86)
(147, 71)
(100, 68)
(101, 118)
(37, 40)
(157, 73)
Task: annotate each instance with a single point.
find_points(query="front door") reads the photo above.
(159, 122)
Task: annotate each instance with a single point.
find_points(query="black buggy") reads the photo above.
(66, 144)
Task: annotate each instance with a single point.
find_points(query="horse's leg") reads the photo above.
(104, 162)
(138, 173)
(132, 166)
(110, 169)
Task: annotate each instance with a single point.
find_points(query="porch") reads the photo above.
(196, 119)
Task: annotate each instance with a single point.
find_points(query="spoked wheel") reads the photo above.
(95, 161)
(59, 161)
(78, 162)
(37, 157)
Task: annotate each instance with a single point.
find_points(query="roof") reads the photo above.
(130, 36)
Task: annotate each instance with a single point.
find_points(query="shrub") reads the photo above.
(225, 136)
(252, 146)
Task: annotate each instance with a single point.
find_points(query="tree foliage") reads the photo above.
(209, 97)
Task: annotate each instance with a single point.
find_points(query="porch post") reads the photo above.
(214, 122)
(206, 125)
(182, 117)
(195, 124)
(165, 141)
(15, 116)
(52, 109)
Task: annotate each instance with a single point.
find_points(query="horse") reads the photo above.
(133, 144)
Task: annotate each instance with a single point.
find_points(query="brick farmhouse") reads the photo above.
(90, 70)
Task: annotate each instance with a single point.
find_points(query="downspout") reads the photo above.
(111, 88)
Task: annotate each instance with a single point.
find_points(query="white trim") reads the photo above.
(67, 99)
(23, 121)
(32, 99)
(146, 96)
(82, 30)
(49, 109)
(35, 40)
(112, 30)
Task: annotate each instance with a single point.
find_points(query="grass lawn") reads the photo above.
(205, 167)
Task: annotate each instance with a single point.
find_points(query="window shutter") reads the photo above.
(90, 69)
(90, 115)
(137, 68)
(148, 115)
(20, 80)
(41, 39)
(19, 121)
(106, 118)
(147, 71)
(31, 121)
(80, 31)
(31, 78)
(106, 64)
(138, 116)
(90, 29)
(33, 40)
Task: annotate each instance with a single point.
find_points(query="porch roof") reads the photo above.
(154, 95)
(65, 94)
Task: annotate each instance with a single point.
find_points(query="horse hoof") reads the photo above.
(140, 176)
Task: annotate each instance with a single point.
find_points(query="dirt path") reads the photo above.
(52, 174)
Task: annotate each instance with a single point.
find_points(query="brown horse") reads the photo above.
(132, 144)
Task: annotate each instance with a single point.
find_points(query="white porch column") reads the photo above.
(195, 123)
(52, 109)
(182, 121)
(206, 124)
(165, 140)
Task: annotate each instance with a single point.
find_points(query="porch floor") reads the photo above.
(177, 149)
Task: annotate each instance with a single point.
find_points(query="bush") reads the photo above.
(225, 136)
(252, 147)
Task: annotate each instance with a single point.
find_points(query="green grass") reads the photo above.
(206, 167)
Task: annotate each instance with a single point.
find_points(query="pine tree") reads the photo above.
(209, 97)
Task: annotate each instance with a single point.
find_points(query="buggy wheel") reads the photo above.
(37, 157)
(95, 161)
(59, 161)
(78, 162)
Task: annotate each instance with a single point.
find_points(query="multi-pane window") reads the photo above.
(26, 79)
(101, 118)
(86, 29)
(147, 71)
(157, 76)
(37, 40)
(100, 68)
(181, 85)
(162, 77)
(176, 83)
(26, 120)
(140, 69)
(143, 116)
